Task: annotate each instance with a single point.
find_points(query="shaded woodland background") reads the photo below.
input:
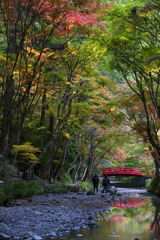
(79, 87)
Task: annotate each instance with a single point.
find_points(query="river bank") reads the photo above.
(55, 215)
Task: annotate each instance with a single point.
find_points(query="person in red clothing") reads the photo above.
(95, 180)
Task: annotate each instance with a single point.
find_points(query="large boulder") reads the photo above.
(112, 189)
(71, 187)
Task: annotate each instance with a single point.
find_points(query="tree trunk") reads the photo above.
(63, 162)
(84, 174)
(51, 129)
(1, 164)
(7, 116)
(43, 110)
(43, 113)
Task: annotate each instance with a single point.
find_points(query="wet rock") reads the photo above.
(69, 211)
(36, 237)
(12, 203)
(73, 188)
(90, 193)
(4, 236)
(112, 190)
(47, 204)
(54, 234)
(102, 195)
(18, 203)
(38, 213)
(2, 225)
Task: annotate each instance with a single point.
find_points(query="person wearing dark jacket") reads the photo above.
(105, 184)
(95, 180)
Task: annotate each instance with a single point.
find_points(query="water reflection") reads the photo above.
(130, 202)
(155, 226)
(126, 220)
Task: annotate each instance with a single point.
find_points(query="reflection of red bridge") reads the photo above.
(123, 171)
(128, 203)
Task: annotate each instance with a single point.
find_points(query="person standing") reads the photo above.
(95, 180)
(105, 184)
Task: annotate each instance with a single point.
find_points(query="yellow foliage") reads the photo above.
(2, 58)
(111, 109)
(26, 151)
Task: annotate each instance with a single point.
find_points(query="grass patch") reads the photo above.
(19, 189)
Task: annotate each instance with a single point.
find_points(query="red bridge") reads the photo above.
(123, 171)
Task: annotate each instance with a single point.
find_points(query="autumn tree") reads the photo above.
(134, 51)
(31, 32)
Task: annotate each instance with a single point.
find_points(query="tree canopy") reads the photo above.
(65, 106)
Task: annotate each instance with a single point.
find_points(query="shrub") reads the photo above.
(60, 189)
(2, 196)
(7, 191)
(34, 188)
(65, 178)
(8, 171)
(20, 189)
(86, 186)
(153, 186)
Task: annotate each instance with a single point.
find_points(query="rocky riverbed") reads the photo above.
(55, 215)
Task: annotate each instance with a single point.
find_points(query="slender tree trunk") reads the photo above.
(15, 154)
(77, 170)
(1, 164)
(63, 162)
(43, 113)
(51, 129)
(83, 177)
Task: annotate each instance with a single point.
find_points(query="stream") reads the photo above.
(128, 219)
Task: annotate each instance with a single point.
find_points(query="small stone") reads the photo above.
(38, 213)
(18, 203)
(36, 237)
(2, 225)
(54, 234)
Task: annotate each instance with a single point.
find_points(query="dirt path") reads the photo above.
(55, 215)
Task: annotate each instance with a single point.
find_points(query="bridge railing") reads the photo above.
(121, 170)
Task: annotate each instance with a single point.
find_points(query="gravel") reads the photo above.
(55, 215)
